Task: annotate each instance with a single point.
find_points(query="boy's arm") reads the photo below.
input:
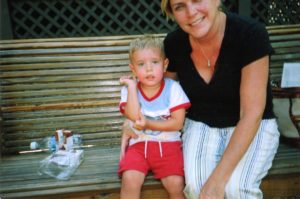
(174, 123)
(132, 107)
(178, 103)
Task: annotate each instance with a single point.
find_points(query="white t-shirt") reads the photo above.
(170, 97)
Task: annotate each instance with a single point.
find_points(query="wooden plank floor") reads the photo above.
(97, 178)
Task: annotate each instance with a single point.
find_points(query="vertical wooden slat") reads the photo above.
(1, 135)
(245, 7)
(5, 30)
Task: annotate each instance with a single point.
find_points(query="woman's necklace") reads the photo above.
(208, 60)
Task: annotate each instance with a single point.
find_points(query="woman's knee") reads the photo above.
(174, 185)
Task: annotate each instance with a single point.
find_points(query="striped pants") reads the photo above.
(203, 147)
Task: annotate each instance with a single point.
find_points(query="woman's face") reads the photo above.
(196, 17)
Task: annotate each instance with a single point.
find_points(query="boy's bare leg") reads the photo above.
(174, 186)
(132, 182)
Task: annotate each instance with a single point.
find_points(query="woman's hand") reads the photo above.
(124, 145)
(126, 129)
(212, 190)
(127, 133)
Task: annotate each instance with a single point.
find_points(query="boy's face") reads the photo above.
(148, 65)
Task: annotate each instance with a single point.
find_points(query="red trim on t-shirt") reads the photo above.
(185, 106)
(122, 107)
(162, 85)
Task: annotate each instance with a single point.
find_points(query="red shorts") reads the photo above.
(165, 162)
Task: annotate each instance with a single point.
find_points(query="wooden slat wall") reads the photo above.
(72, 83)
(285, 40)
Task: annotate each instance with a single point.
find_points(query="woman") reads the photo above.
(230, 134)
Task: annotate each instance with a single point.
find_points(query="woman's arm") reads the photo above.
(171, 75)
(252, 104)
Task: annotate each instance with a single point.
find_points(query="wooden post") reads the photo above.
(5, 26)
(1, 134)
(245, 8)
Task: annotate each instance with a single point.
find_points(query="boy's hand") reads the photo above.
(140, 124)
(128, 80)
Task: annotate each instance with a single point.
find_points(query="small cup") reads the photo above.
(34, 145)
(77, 141)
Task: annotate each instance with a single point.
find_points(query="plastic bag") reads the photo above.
(61, 164)
(190, 193)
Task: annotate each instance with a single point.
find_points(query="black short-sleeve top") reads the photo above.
(217, 103)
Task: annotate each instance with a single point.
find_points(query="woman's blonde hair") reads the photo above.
(166, 8)
(145, 42)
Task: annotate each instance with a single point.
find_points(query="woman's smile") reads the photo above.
(197, 21)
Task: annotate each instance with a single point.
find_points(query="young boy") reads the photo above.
(155, 107)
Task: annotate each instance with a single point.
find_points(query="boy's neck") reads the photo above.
(151, 92)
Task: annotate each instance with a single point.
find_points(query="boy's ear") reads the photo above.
(166, 63)
(131, 68)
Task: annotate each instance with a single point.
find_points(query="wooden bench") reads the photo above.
(72, 83)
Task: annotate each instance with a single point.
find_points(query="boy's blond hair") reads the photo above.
(144, 42)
